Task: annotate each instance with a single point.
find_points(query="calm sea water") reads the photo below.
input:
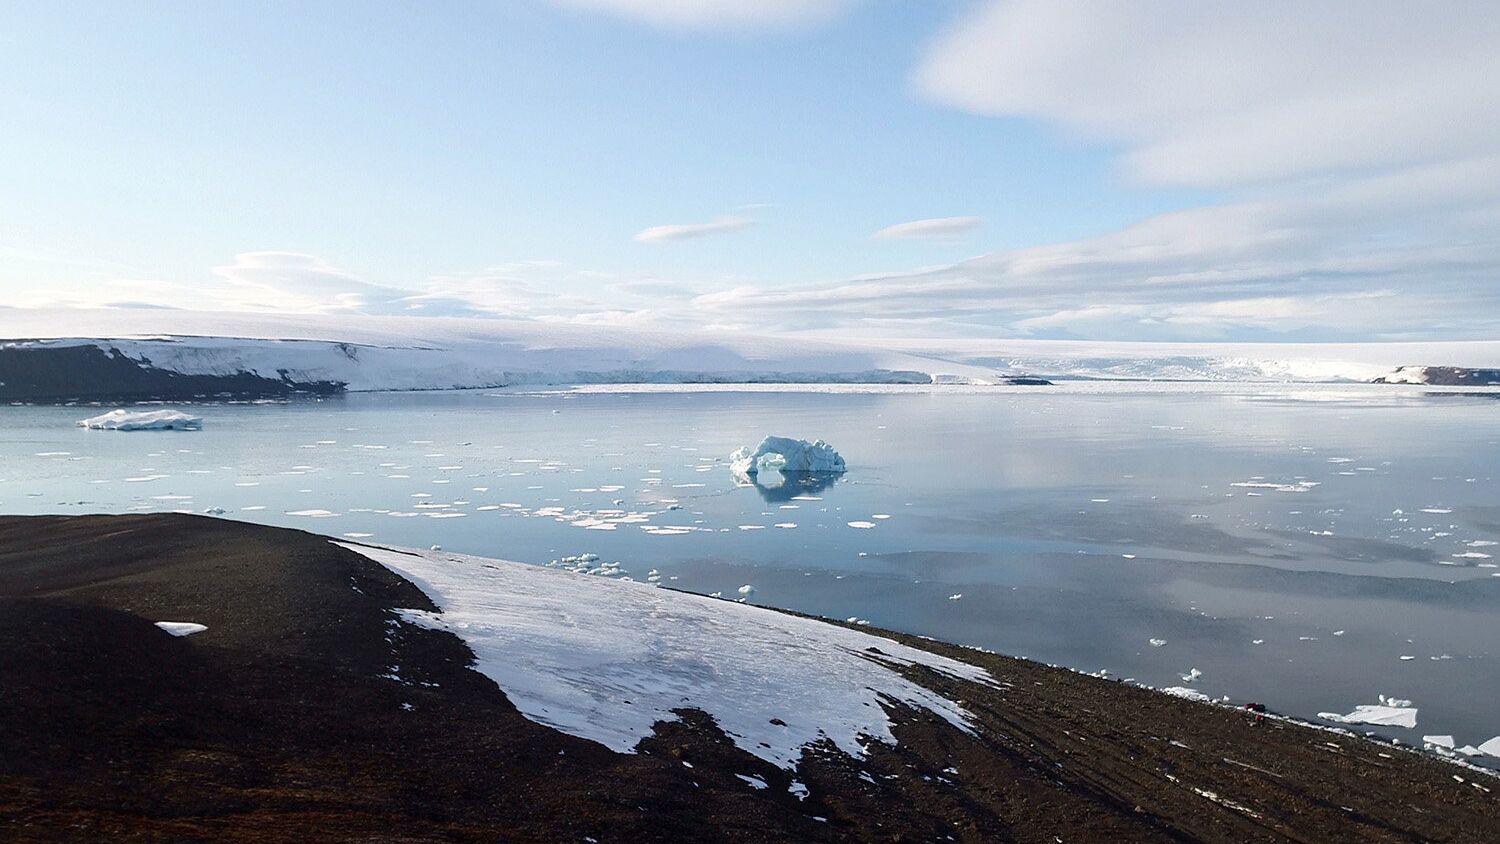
(1307, 547)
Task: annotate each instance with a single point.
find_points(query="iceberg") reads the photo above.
(785, 455)
(1390, 712)
(143, 420)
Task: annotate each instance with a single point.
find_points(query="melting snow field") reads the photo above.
(606, 659)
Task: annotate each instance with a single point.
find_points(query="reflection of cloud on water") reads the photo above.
(776, 487)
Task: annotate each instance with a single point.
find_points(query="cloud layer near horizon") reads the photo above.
(1353, 153)
(688, 231)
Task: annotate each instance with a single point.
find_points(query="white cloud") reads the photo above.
(1235, 93)
(1408, 254)
(717, 14)
(687, 231)
(298, 282)
(936, 228)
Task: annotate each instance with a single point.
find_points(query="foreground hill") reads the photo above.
(327, 700)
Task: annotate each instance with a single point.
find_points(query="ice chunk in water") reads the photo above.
(785, 454)
(143, 420)
(1380, 715)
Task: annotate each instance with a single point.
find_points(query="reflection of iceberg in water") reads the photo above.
(781, 468)
(776, 487)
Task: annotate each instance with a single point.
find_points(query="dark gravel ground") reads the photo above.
(276, 724)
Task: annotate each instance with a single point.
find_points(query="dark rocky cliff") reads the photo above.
(91, 373)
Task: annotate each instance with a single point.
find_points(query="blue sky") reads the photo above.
(1163, 171)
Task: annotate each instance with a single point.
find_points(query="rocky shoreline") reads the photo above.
(281, 721)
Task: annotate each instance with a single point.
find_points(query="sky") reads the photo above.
(1297, 171)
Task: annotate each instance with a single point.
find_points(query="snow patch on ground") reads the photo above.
(181, 628)
(143, 420)
(605, 659)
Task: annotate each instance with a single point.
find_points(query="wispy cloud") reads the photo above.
(718, 14)
(935, 228)
(687, 231)
(1341, 263)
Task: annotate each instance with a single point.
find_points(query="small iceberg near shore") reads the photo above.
(143, 420)
(786, 455)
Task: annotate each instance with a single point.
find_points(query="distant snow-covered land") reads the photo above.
(395, 353)
(1296, 362)
(267, 352)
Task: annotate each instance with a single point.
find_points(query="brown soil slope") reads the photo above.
(276, 724)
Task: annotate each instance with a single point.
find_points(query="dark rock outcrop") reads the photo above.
(1442, 376)
(91, 373)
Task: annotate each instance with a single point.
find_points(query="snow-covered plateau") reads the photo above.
(607, 659)
(361, 353)
(390, 353)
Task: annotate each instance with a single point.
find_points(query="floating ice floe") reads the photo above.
(1296, 486)
(785, 454)
(606, 660)
(1390, 712)
(143, 420)
(181, 628)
